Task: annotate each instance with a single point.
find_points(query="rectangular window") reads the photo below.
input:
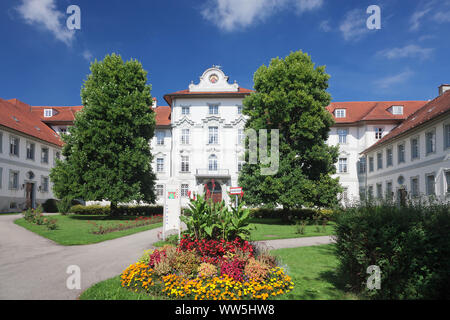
(398, 110)
(447, 180)
(44, 155)
(378, 133)
(14, 146)
(379, 161)
(430, 138)
(446, 136)
(362, 165)
(160, 165)
(401, 153)
(213, 109)
(344, 195)
(184, 190)
(159, 190)
(1, 142)
(30, 150)
(1, 177)
(370, 192)
(415, 187)
(342, 133)
(184, 164)
(160, 135)
(239, 109)
(48, 113)
(414, 148)
(44, 183)
(185, 133)
(389, 157)
(389, 194)
(13, 180)
(370, 164)
(362, 193)
(339, 113)
(213, 135)
(379, 190)
(430, 184)
(342, 165)
(240, 165)
(185, 110)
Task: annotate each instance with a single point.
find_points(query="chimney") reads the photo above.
(155, 103)
(443, 88)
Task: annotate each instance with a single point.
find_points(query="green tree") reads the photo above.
(107, 152)
(291, 96)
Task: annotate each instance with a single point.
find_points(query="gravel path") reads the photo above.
(33, 267)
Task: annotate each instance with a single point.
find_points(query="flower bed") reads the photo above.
(208, 270)
(138, 222)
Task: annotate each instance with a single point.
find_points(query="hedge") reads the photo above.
(122, 210)
(292, 214)
(410, 245)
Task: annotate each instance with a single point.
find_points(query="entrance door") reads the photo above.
(29, 194)
(402, 194)
(215, 194)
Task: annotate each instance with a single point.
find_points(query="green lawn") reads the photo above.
(267, 229)
(75, 229)
(311, 268)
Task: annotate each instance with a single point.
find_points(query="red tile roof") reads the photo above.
(162, 115)
(17, 115)
(241, 91)
(60, 114)
(373, 110)
(428, 112)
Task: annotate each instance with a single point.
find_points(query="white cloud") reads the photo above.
(408, 51)
(87, 55)
(393, 80)
(442, 17)
(43, 13)
(325, 26)
(417, 17)
(230, 15)
(354, 27)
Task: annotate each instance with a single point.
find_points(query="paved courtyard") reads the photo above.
(33, 267)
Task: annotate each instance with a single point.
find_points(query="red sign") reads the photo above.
(235, 190)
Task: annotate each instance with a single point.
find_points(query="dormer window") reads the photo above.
(340, 113)
(48, 113)
(397, 110)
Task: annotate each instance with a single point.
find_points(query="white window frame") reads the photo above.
(427, 186)
(379, 190)
(213, 163)
(185, 110)
(371, 164)
(213, 135)
(13, 184)
(159, 190)
(239, 109)
(433, 142)
(342, 136)
(48, 113)
(340, 113)
(241, 136)
(379, 160)
(413, 156)
(184, 189)
(185, 136)
(446, 136)
(213, 109)
(47, 153)
(160, 165)
(379, 132)
(389, 159)
(447, 181)
(185, 164)
(160, 137)
(343, 165)
(397, 110)
(14, 146)
(413, 192)
(45, 183)
(403, 159)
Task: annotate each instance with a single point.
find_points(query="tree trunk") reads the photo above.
(113, 209)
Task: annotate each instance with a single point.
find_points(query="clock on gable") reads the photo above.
(213, 78)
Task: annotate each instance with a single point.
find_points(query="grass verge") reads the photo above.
(75, 229)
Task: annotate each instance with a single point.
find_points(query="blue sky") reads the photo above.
(43, 63)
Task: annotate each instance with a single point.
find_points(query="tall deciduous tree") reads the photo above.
(107, 152)
(291, 96)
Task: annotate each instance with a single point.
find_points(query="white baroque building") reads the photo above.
(199, 140)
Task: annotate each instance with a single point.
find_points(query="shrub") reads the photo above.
(50, 205)
(64, 205)
(292, 214)
(145, 258)
(187, 263)
(411, 245)
(207, 270)
(256, 270)
(122, 210)
(233, 268)
(163, 266)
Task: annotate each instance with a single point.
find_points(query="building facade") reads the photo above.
(199, 140)
(413, 160)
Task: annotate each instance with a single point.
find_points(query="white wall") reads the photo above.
(23, 165)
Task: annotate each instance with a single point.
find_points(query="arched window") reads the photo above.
(212, 163)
